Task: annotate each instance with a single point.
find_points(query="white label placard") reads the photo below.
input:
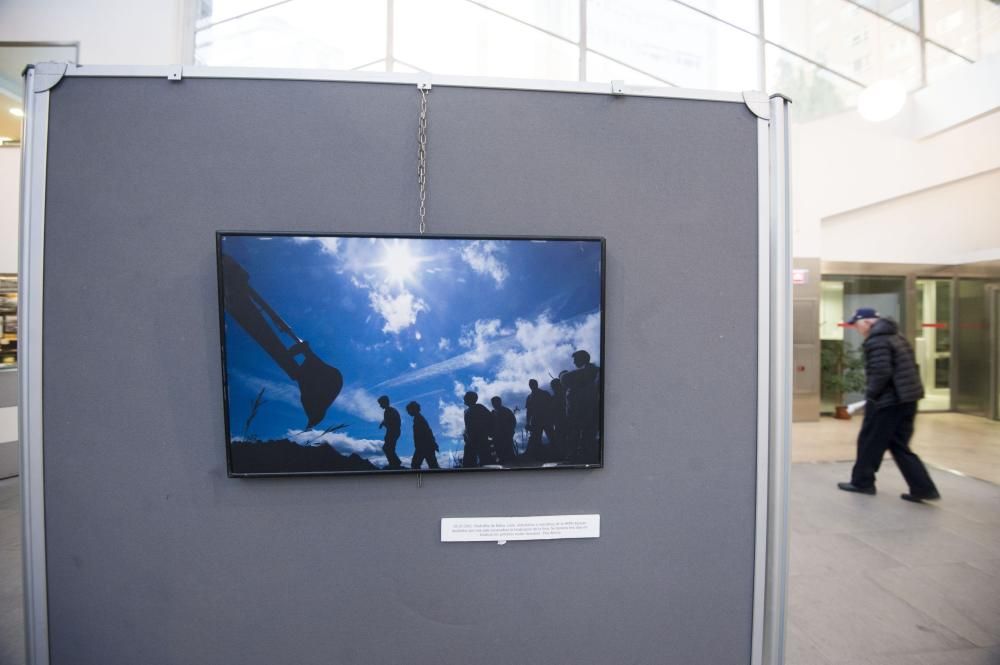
(532, 527)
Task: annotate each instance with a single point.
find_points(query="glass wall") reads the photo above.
(821, 53)
(972, 341)
(932, 342)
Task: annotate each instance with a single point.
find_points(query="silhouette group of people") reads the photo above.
(568, 416)
(562, 425)
(425, 447)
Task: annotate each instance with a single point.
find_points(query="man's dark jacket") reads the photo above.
(890, 368)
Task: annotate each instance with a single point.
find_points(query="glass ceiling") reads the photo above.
(820, 53)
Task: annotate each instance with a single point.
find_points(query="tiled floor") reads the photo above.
(874, 580)
(967, 444)
(11, 611)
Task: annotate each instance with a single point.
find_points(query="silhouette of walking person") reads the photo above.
(478, 427)
(558, 417)
(582, 406)
(504, 426)
(538, 420)
(319, 383)
(538, 415)
(424, 444)
(393, 425)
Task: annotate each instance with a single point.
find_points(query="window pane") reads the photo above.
(970, 27)
(304, 33)
(904, 12)
(845, 38)
(457, 37)
(213, 11)
(600, 68)
(814, 92)
(941, 63)
(404, 68)
(673, 43)
(559, 16)
(738, 12)
(378, 66)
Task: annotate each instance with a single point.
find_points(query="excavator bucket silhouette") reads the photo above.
(319, 383)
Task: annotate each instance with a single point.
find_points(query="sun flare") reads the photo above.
(399, 262)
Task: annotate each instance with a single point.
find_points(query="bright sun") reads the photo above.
(399, 263)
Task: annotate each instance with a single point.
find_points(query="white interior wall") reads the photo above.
(844, 165)
(950, 224)
(110, 32)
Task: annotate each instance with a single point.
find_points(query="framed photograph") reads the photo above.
(8, 281)
(8, 303)
(10, 324)
(396, 354)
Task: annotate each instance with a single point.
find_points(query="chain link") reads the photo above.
(422, 159)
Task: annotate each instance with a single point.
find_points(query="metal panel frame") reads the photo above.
(35, 142)
(780, 388)
(773, 323)
(178, 72)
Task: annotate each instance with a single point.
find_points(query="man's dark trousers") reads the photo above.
(890, 427)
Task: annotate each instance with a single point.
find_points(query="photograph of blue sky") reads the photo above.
(423, 319)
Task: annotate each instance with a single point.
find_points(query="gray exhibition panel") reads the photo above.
(154, 556)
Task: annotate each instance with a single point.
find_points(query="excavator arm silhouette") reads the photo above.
(319, 383)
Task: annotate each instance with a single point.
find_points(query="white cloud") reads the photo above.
(418, 336)
(482, 257)
(444, 344)
(343, 443)
(543, 350)
(399, 311)
(452, 419)
(478, 338)
(361, 403)
(329, 246)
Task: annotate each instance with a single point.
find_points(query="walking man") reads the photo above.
(478, 428)
(504, 426)
(424, 444)
(392, 424)
(582, 407)
(892, 390)
(538, 413)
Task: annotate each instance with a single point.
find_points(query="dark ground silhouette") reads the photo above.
(284, 456)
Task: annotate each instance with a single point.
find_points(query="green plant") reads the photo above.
(842, 370)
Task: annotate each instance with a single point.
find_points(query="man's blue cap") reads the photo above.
(862, 313)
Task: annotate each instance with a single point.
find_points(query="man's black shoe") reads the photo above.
(920, 498)
(848, 487)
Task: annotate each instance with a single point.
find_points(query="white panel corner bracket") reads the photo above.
(48, 75)
(758, 103)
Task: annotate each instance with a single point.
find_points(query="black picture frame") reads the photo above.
(270, 284)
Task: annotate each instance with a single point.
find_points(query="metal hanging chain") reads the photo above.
(422, 155)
